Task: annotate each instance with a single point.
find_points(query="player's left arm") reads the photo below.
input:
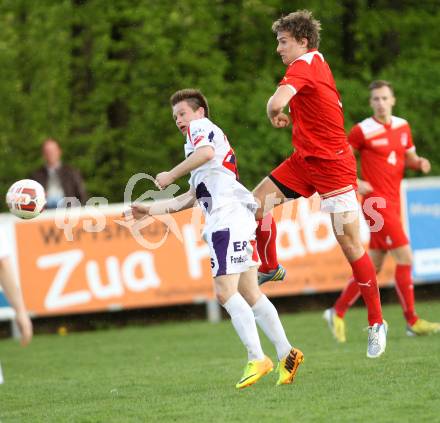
(416, 162)
(200, 156)
(276, 105)
(160, 207)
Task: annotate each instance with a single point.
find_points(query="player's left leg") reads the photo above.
(287, 182)
(404, 283)
(268, 195)
(268, 320)
(346, 229)
(405, 291)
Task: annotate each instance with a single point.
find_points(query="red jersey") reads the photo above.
(315, 108)
(382, 149)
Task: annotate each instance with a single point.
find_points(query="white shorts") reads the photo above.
(340, 203)
(230, 234)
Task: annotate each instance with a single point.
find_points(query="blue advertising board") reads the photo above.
(3, 300)
(422, 211)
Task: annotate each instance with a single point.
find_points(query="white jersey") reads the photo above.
(215, 182)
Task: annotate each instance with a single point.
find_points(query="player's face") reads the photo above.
(382, 101)
(289, 48)
(51, 153)
(183, 114)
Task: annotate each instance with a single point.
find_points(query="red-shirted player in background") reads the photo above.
(323, 161)
(386, 148)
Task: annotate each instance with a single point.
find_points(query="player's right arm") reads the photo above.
(276, 105)
(169, 205)
(201, 155)
(297, 76)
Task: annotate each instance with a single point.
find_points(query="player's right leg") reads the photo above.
(346, 229)
(243, 320)
(335, 315)
(268, 320)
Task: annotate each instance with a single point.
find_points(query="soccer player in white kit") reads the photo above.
(229, 231)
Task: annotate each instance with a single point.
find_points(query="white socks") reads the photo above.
(266, 316)
(243, 321)
(264, 313)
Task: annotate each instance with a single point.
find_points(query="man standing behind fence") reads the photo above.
(58, 179)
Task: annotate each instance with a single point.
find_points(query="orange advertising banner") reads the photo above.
(86, 260)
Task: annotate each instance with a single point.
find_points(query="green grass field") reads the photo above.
(186, 372)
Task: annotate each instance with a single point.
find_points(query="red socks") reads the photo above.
(404, 288)
(266, 243)
(365, 276)
(405, 292)
(347, 298)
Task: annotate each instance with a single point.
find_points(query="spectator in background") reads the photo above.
(58, 179)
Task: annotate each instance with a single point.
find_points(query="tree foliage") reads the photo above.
(97, 76)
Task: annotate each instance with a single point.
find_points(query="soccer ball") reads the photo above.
(26, 198)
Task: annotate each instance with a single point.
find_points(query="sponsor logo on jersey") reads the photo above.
(379, 142)
(195, 132)
(198, 139)
(240, 245)
(239, 259)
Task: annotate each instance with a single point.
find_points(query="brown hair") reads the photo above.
(379, 84)
(50, 140)
(300, 24)
(193, 97)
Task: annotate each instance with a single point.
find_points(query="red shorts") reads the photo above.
(307, 175)
(391, 235)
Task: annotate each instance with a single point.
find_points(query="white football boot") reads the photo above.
(377, 339)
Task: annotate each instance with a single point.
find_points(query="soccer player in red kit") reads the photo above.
(385, 145)
(322, 161)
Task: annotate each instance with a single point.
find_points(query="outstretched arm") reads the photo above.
(15, 298)
(169, 205)
(200, 156)
(415, 162)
